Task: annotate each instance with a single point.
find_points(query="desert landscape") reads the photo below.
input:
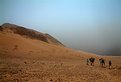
(30, 56)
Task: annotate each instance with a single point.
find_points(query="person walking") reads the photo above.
(87, 61)
(92, 60)
(110, 64)
(102, 62)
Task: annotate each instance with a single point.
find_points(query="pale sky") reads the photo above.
(89, 25)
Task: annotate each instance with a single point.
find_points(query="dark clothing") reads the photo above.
(110, 63)
(102, 62)
(92, 60)
(87, 62)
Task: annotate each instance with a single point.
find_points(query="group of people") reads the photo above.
(101, 61)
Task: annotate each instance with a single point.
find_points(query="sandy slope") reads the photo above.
(29, 33)
(28, 60)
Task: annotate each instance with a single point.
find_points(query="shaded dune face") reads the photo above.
(29, 33)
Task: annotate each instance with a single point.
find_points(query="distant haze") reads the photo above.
(89, 25)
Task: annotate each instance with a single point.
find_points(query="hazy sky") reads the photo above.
(90, 25)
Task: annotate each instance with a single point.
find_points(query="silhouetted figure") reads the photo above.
(87, 61)
(92, 61)
(110, 64)
(102, 62)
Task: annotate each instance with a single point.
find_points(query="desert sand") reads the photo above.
(24, 59)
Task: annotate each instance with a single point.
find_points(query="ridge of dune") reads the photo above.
(29, 33)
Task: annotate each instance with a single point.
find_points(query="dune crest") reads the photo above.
(12, 28)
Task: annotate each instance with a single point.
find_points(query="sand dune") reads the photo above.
(29, 33)
(25, 59)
